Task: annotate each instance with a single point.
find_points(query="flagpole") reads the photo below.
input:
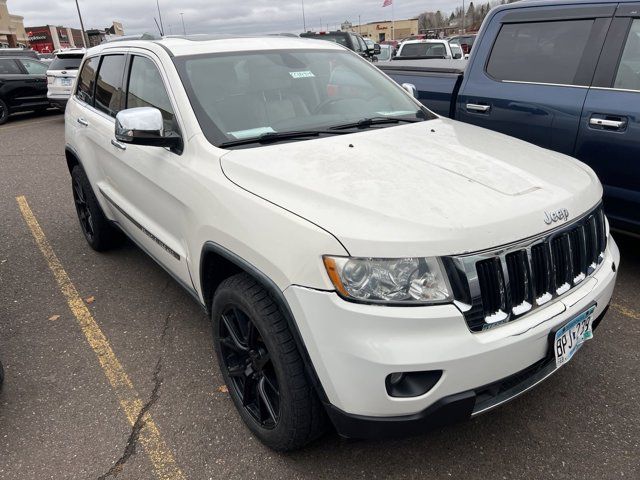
(393, 22)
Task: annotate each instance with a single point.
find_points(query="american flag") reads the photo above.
(386, 3)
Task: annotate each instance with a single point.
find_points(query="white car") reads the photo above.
(361, 258)
(61, 74)
(428, 48)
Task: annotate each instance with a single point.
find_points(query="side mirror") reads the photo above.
(376, 49)
(144, 126)
(411, 89)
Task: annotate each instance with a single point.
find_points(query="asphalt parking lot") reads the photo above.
(78, 375)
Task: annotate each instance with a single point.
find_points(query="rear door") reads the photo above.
(532, 81)
(609, 139)
(13, 85)
(36, 80)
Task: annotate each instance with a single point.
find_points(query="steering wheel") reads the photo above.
(330, 101)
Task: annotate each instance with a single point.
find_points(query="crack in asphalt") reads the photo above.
(130, 448)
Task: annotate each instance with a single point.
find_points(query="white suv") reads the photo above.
(62, 74)
(362, 259)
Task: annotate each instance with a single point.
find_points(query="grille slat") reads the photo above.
(513, 281)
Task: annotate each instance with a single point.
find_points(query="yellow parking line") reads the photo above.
(159, 453)
(627, 312)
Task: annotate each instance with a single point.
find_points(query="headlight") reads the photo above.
(398, 280)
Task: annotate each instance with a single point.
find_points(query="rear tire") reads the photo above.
(99, 232)
(4, 112)
(262, 367)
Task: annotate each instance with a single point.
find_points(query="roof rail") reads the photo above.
(143, 36)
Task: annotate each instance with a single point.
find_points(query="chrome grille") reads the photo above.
(501, 285)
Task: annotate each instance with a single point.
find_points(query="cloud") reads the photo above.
(218, 16)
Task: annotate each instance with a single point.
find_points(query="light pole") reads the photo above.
(463, 15)
(84, 34)
(184, 30)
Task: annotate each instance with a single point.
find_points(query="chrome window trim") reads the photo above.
(617, 89)
(546, 84)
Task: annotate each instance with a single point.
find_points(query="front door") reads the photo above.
(609, 139)
(144, 183)
(535, 76)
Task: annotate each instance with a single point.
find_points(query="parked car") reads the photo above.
(426, 49)
(23, 86)
(464, 41)
(358, 255)
(544, 75)
(352, 41)
(18, 52)
(61, 75)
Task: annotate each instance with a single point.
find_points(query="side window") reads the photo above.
(109, 84)
(87, 80)
(9, 67)
(543, 52)
(363, 46)
(34, 68)
(146, 89)
(628, 76)
(356, 43)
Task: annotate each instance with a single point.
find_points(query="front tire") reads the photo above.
(4, 112)
(99, 232)
(262, 367)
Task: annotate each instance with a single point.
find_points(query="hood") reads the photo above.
(438, 187)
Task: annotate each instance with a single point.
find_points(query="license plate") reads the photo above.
(570, 337)
(66, 82)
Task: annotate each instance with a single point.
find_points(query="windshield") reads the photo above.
(66, 62)
(243, 96)
(385, 53)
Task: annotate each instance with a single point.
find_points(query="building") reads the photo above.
(12, 31)
(47, 38)
(97, 36)
(380, 31)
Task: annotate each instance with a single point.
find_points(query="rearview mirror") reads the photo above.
(144, 126)
(376, 49)
(411, 88)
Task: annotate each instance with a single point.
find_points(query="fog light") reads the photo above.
(411, 384)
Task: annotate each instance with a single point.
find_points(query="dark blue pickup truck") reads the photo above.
(563, 75)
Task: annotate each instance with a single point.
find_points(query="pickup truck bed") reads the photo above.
(437, 81)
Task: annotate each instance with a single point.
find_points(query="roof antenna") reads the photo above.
(159, 29)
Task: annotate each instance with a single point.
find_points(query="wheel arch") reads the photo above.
(72, 158)
(217, 263)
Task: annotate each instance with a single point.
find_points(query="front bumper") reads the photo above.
(354, 347)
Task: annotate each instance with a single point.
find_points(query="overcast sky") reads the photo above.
(218, 16)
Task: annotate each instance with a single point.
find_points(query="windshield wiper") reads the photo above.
(271, 137)
(368, 122)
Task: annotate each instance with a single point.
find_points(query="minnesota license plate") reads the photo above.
(570, 337)
(66, 82)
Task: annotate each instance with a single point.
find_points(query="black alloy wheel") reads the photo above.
(84, 213)
(4, 112)
(249, 366)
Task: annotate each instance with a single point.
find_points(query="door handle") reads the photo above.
(603, 122)
(475, 107)
(83, 122)
(118, 145)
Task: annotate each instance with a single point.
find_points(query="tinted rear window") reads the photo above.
(436, 50)
(66, 63)
(9, 67)
(341, 39)
(542, 52)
